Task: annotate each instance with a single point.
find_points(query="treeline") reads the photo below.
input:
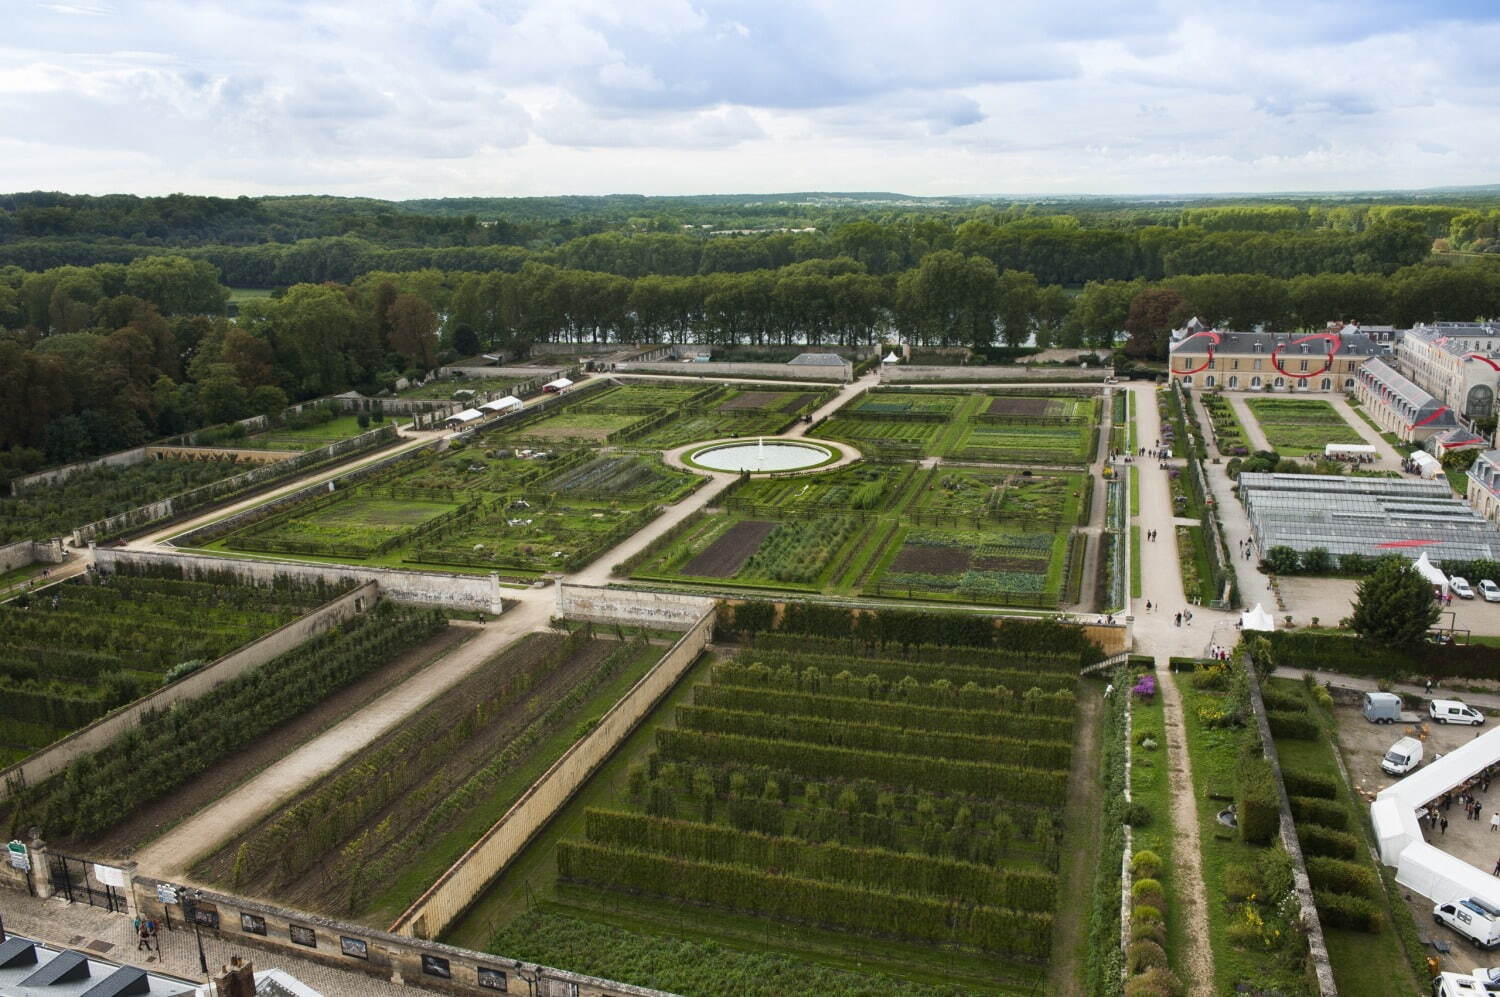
(1056, 249)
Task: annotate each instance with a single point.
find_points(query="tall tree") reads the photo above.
(413, 329)
(1395, 605)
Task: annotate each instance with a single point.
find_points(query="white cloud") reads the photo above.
(435, 97)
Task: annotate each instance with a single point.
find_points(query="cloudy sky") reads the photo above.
(430, 98)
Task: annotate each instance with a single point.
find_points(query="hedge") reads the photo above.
(1293, 726)
(1327, 842)
(1018, 934)
(849, 709)
(1338, 876)
(1318, 811)
(1257, 808)
(1340, 910)
(1285, 702)
(1350, 655)
(1299, 783)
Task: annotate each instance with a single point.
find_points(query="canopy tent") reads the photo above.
(1428, 870)
(1431, 572)
(466, 416)
(891, 358)
(506, 404)
(1348, 450)
(1257, 619)
(558, 386)
(1427, 465)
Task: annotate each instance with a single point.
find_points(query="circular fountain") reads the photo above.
(762, 456)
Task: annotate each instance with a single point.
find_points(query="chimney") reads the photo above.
(236, 979)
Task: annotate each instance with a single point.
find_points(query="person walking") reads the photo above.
(1428, 688)
(1497, 868)
(1443, 825)
(1495, 822)
(1177, 621)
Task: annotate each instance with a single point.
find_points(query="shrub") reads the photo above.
(1340, 910)
(1241, 881)
(1292, 726)
(1137, 814)
(1150, 892)
(1285, 702)
(1145, 864)
(1155, 982)
(1325, 841)
(1300, 783)
(1316, 811)
(1256, 806)
(1153, 931)
(1337, 876)
(1144, 955)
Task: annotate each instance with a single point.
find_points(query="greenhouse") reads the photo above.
(1349, 515)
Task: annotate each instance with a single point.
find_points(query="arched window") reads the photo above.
(1187, 379)
(1327, 383)
(1234, 382)
(1280, 382)
(1255, 382)
(1208, 381)
(1348, 382)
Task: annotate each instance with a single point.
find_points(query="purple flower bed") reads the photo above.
(1146, 687)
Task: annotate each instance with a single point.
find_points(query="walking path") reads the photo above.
(1389, 460)
(1488, 700)
(1253, 434)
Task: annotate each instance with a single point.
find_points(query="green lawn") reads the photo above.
(1296, 426)
(1150, 786)
(308, 438)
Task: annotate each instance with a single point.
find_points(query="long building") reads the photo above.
(1365, 515)
(1458, 363)
(1275, 361)
(1399, 405)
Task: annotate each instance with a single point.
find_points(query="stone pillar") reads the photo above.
(41, 868)
(132, 904)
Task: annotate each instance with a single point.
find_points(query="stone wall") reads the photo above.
(26, 552)
(472, 593)
(241, 455)
(663, 610)
(446, 900)
(122, 458)
(900, 374)
(97, 735)
(204, 495)
(774, 371)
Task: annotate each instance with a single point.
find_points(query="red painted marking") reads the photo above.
(1431, 417)
(1332, 337)
(1481, 356)
(1215, 337)
(1405, 543)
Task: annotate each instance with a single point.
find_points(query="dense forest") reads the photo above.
(117, 327)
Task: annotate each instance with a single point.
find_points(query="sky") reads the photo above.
(441, 98)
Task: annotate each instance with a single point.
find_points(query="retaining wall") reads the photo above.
(899, 374)
(234, 454)
(122, 458)
(776, 371)
(57, 756)
(437, 909)
(654, 609)
(197, 498)
(27, 552)
(473, 593)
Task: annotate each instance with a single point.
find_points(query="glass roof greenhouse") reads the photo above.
(1348, 515)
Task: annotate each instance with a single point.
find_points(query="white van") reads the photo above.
(1457, 985)
(1405, 755)
(1460, 587)
(1451, 711)
(1382, 707)
(1473, 918)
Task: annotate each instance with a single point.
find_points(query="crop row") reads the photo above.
(992, 929)
(1017, 783)
(1036, 654)
(895, 669)
(896, 714)
(898, 872)
(942, 693)
(146, 762)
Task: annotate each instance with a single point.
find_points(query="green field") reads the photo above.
(744, 829)
(1295, 426)
(53, 510)
(310, 438)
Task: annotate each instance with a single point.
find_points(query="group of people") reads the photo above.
(1466, 796)
(145, 934)
(1247, 548)
(1218, 653)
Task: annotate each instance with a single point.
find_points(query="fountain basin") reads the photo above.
(762, 456)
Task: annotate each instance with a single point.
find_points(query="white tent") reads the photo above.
(1257, 619)
(1348, 450)
(468, 415)
(1422, 867)
(891, 358)
(1432, 573)
(507, 404)
(558, 386)
(1427, 465)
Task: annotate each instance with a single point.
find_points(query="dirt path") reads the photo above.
(269, 748)
(1187, 857)
(1080, 848)
(171, 854)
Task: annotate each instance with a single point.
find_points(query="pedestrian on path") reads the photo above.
(1495, 822)
(1178, 621)
(1497, 868)
(1428, 688)
(1148, 605)
(1443, 825)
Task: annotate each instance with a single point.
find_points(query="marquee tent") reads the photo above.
(1257, 619)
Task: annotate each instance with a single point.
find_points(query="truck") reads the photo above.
(1473, 918)
(1404, 755)
(1382, 707)
(1451, 711)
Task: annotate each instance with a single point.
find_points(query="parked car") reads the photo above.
(1460, 587)
(1405, 755)
(1451, 711)
(1456, 985)
(1489, 590)
(1382, 707)
(1473, 918)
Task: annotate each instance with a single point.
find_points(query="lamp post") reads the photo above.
(191, 904)
(531, 977)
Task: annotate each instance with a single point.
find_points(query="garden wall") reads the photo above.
(123, 458)
(430, 966)
(916, 375)
(197, 498)
(57, 756)
(26, 552)
(232, 454)
(776, 371)
(472, 593)
(654, 609)
(462, 884)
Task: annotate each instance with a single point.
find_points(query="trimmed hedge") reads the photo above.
(1317, 811)
(1309, 784)
(1338, 876)
(1340, 910)
(1293, 726)
(1350, 655)
(1256, 805)
(1327, 842)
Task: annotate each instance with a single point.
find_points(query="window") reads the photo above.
(1234, 364)
(1212, 363)
(1257, 365)
(1303, 368)
(1255, 382)
(1234, 382)
(1280, 382)
(1348, 382)
(1208, 381)
(1187, 379)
